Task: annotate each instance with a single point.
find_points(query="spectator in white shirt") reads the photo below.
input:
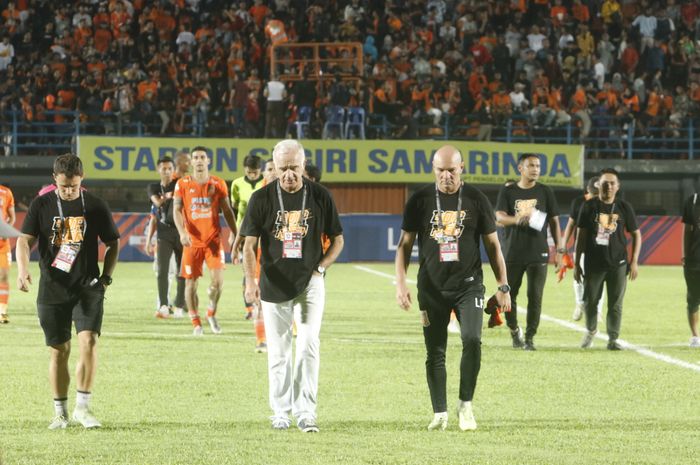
(647, 27)
(7, 53)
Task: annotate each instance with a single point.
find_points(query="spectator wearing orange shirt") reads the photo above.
(259, 12)
(579, 108)
(477, 82)
(502, 106)
(541, 114)
(649, 117)
(580, 12)
(554, 101)
(559, 14)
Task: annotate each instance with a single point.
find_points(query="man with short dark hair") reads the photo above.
(168, 239)
(198, 200)
(67, 225)
(691, 264)
(288, 216)
(526, 209)
(448, 218)
(576, 204)
(601, 237)
(312, 172)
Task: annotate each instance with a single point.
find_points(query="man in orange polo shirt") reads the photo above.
(198, 200)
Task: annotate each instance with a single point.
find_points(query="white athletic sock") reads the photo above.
(60, 406)
(82, 399)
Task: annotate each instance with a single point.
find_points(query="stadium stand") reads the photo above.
(621, 76)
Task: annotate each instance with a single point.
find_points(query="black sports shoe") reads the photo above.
(517, 336)
(529, 345)
(613, 345)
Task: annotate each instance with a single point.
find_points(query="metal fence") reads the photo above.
(610, 137)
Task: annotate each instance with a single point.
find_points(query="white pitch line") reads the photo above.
(383, 275)
(567, 324)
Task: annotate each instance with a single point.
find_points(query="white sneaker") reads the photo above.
(163, 312)
(59, 422)
(453, 327)
(466, 416)
(578, 312)
(439, 422)
(178, 312)
(695, 341)
(197, 331)
(214, 325)
(84, 416)
(587, 341)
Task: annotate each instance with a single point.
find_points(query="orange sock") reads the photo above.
(4, 296)
(259, 330)
(211, 312)
(194, 316)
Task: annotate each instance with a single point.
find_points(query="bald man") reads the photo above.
(289, 215)
(448, 218)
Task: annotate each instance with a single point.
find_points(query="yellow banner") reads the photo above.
(347, 161)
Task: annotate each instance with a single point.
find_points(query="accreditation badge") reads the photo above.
(66, 257)
(291, 245)
(603, 236)
(449, 249)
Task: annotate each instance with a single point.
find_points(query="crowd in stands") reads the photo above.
(178, 66)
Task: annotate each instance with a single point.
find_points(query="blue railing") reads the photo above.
(610, 137)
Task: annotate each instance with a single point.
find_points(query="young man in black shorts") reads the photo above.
(67, 224)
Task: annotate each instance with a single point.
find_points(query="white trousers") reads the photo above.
(295, 389)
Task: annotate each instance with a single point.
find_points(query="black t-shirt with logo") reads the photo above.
(609, 220)
(164, 213)
(575, 209)
(524, 244)
(691, 217)
(474, 219)
(43, 221)
(281, 278)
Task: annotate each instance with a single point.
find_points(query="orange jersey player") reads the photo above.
(7, 215)
(198, 200)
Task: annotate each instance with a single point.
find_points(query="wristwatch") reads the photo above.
(561, 250)
(321, 270)
(106, 280)
(504, 288)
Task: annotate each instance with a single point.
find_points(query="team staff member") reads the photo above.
(448, 218)
(526, 208)
(289, 216)
(67, 225)
(7, 214)
(161, 196)
(198, 200)
(576, 204)
(241, 190)
(691, 264)
(600, 236)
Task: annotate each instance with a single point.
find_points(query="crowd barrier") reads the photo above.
(374, 238)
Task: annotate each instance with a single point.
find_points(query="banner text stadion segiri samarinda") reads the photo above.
(347, 161)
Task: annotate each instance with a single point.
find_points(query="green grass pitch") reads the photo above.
(165, 397)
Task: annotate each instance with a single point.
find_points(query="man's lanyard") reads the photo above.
(439, 210)
(612, 208)
(285, 220)
(60, 209)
